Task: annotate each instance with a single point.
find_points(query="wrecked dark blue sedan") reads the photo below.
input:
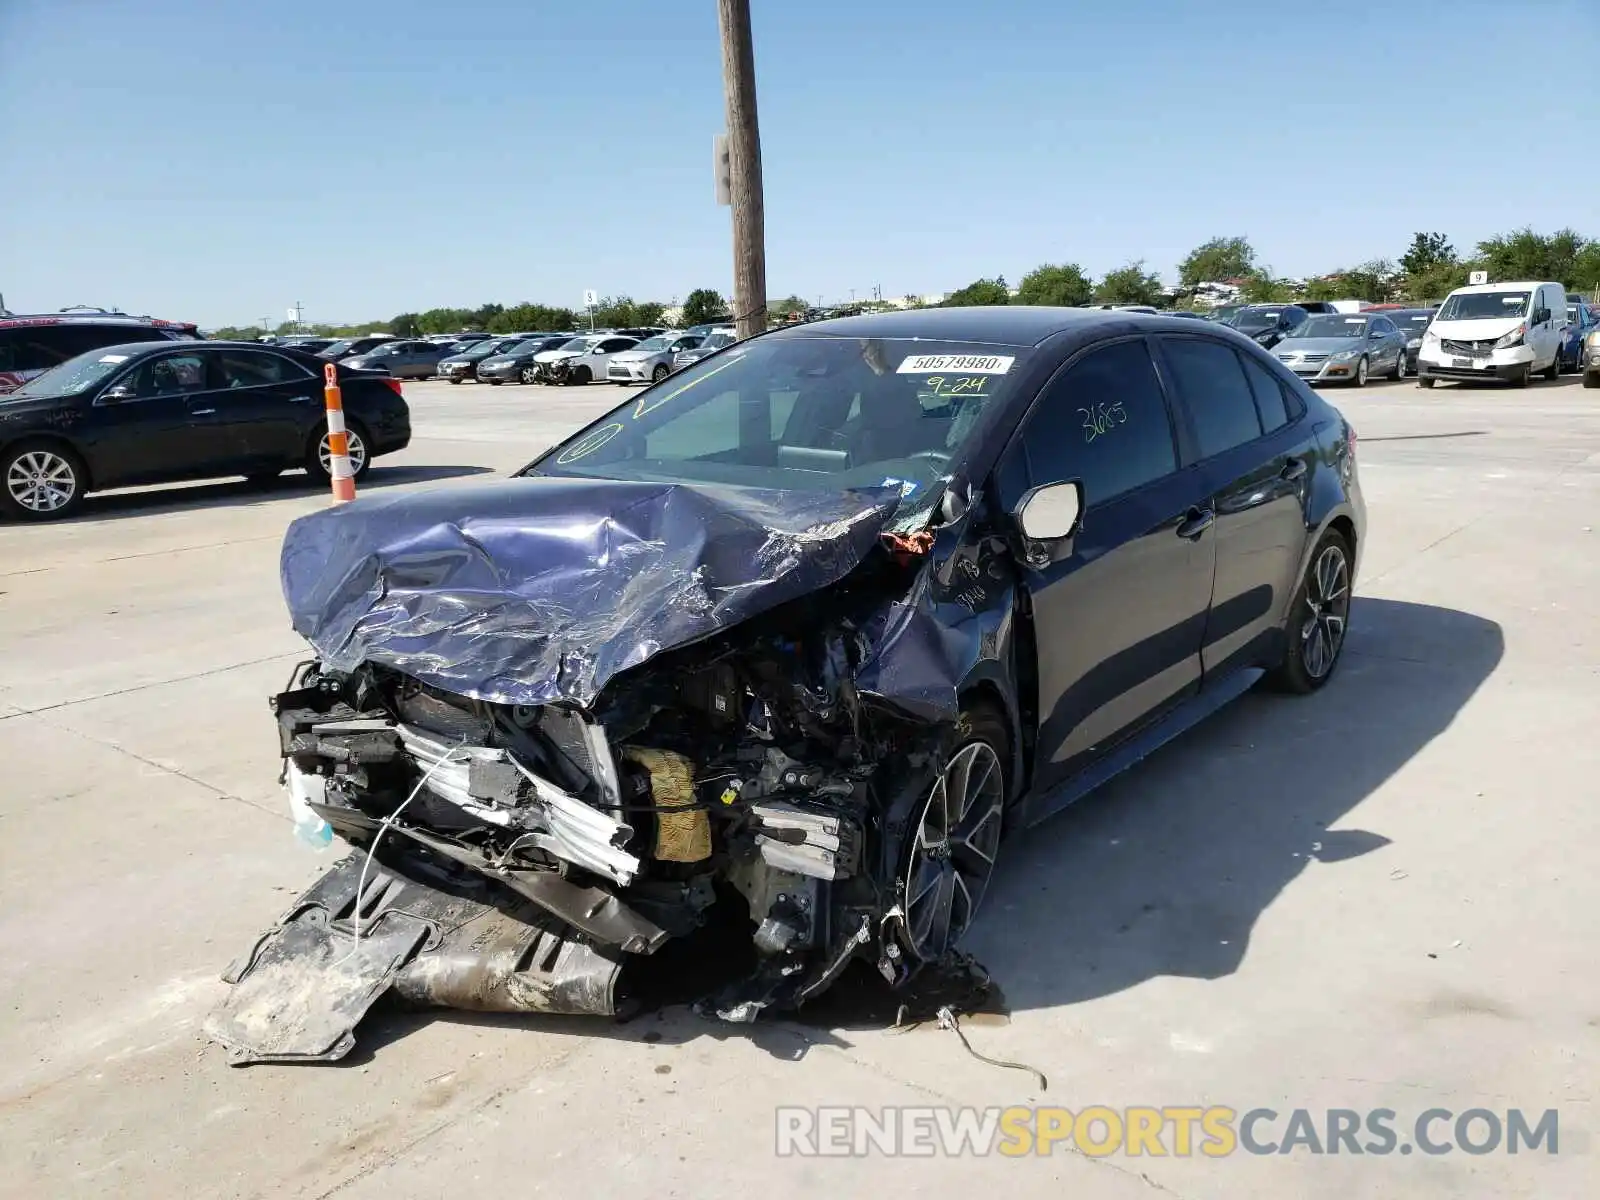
(787, 641)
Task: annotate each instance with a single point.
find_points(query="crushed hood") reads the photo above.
(536, 590)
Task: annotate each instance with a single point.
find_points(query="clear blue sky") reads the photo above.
(218, 161)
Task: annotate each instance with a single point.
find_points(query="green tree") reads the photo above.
(1220, 258)
(236, 333)
(1586, 270)
(1323, 287)
(1260, 287)
(406, 325)
(1428, 252)
(1065, 285)
(649, 312)
(703, 306)
(980, 292)
(1525, 254)
(782, 310)
(1131, 284)
(615, 310)
(482, 318)
(1376, 282)
(445, 320)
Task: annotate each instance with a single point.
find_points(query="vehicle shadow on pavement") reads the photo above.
(1166, 870)
(107, 506)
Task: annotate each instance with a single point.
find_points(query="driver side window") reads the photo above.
(1103, 420)
(169, 375)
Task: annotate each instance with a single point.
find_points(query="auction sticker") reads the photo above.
(971, 364)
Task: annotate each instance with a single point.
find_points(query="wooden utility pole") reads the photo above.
(744, 168)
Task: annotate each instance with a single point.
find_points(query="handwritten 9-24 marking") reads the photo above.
(970, 386)
(1100, 419)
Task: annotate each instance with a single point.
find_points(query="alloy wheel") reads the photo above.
(1361, 373)
(530, 375)
(953, 855)
(358, 454)
(1328, 610)
(41, 481)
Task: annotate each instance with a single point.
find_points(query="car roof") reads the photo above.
(998, 325)
(26, 320)
(1508, 285)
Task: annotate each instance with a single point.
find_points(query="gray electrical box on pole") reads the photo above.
(721, 170)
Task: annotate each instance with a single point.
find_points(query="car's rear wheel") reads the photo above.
(1554, 370)
(455, 379)
(1319, 619)
(319, 458)
(952, 846)
(40, 481)
(530, 375)
(659, 373)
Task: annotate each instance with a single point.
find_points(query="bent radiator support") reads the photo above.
(301, 990)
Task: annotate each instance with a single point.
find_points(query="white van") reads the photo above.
(1508, 331)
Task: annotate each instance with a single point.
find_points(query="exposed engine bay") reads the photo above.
(521, 857)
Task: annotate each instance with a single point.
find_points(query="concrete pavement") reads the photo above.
(1379, 896)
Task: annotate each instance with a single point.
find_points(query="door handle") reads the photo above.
(202, 412)
(1294, 469)
(1196, 522)
(299, 399)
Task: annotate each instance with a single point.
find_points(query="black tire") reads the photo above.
(1524, 377)
(581, 375)
(1553, 372)
(660, 373)
(41, 481)
(313, 451)
(1305, 669)
(455, 380)
(1359, 379)
(529, 375)
(1399, 367)
(1426, 381)
(1591, 379)
(494, 382)
(983, 746)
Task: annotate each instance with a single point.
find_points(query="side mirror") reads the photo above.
(1046, 515)
(115, 395)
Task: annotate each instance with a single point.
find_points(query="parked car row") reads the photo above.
(1504, 331)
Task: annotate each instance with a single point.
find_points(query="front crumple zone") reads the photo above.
(539, 857)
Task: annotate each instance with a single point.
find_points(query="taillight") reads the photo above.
(394, 386)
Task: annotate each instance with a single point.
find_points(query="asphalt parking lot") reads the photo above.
(1381, 896)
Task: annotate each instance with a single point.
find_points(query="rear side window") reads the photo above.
(31, 348)
(1221, 404)
(1273, 405)
(256, 368)
(1103, 420)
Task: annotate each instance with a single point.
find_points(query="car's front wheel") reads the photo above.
(659, 373)
(40, 481)
(951, 847)
(530, 375)
(581, 375)
(1425, 381)
(1399, 367)
(1319, 619)
(1362, 368)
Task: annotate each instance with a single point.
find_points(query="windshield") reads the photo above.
(1255, 318)
(814, 414)
(1222, 312)
(479, 349)
(75, 375)
(655, 343)
(1480, 306)
(337, 348)
(578, 343)
(1412, 322)
(1330, 325)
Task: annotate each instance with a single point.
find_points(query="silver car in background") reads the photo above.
(651, 360)
(1344, 348)
(715, 340)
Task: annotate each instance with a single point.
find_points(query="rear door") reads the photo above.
(267, 406)
(1254, 454)
(1118, 621)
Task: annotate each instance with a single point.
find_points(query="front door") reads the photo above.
(161, 421)
(1118, 620)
